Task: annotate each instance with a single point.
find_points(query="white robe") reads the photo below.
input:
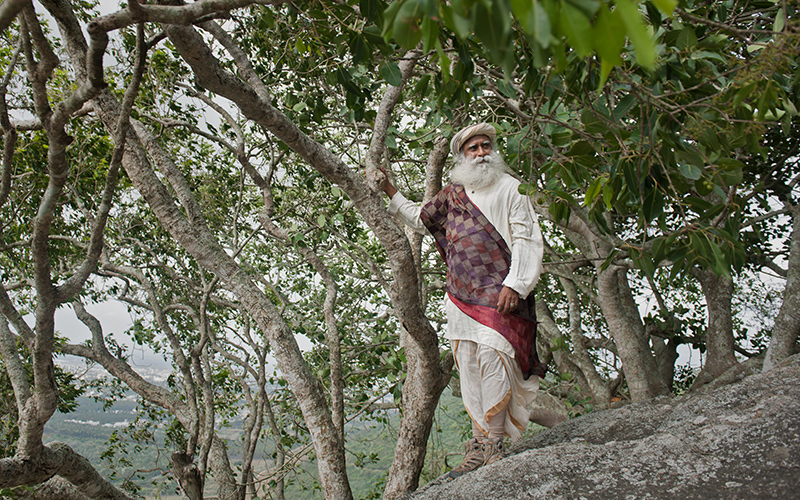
(513, 216)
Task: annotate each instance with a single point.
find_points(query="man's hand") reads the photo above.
(508, 300)
(386, 185)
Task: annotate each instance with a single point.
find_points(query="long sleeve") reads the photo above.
(512, 214)
(527, 247)
(408, 212)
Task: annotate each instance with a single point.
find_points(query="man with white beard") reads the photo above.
(489, 236)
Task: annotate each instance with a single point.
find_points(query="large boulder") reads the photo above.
(740, 441)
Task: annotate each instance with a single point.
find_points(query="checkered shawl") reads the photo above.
(478, 260)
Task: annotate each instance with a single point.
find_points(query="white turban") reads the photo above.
(466, 134)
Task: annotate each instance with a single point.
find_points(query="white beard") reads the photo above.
(480, 172)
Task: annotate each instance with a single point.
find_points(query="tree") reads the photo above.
(639, 139)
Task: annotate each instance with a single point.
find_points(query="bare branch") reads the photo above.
(13, 364)
(9, 132)
(9, 10)
(58, 459)
(383, 119)
(95, 247)
(170, 14)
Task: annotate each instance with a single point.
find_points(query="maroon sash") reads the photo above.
(478, 260)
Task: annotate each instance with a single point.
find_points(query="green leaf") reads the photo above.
(609, 38)
(703, 187)
(653, 204)
(658, 249)
(493, 27)
(358, 47)
(543, 34)
(561, 137)
(559, 209)
(592, 123)
(533, 19)
(666, 6)
(780, 21)
(444, 64)
(524, 14)
(506, 89)
(704, 54)
(421, 88)
(719, 262)
(690, 171)
(731, 172)
(687, 39)
(606, 65)
(608, 196)
(389, 15)
(578, 29)
(391, 73)
(453, 19)
(789, 107)
(611, 256)
(646, 265)
(587, 7)
(632, 180)
(594, 190)
(698, 204)
(643, 43)
(369, 9)
(623, 106)
(744, 93)
(430, 34)
(405, 29)
(581, 148)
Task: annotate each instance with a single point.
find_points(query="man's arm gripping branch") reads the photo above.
(387, 186)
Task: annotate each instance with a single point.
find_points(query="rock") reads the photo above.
(740, 441)
(547, 410)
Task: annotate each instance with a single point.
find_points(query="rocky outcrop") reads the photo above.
(740, 441)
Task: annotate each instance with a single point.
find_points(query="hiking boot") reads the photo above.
(473, 459)
(494, 450)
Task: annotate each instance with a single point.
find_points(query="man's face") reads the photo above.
(477, 146)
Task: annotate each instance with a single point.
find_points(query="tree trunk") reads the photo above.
(426, 376)
(223, 472)
(591, 384)
(187, 474)
(720, 356)
(424, 383)
(628, 331)
(666, 353)
(787, 324)
(601, 392)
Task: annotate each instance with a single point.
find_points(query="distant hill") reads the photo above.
(370, 447)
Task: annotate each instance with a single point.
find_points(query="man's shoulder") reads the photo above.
(508, 182)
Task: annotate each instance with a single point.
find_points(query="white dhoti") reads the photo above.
(491, 379)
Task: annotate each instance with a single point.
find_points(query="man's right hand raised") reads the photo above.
(386, 184)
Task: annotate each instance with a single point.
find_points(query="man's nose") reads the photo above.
(483, 150)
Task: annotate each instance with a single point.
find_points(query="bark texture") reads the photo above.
(786, 331)
(628, 331)
(720, 343)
